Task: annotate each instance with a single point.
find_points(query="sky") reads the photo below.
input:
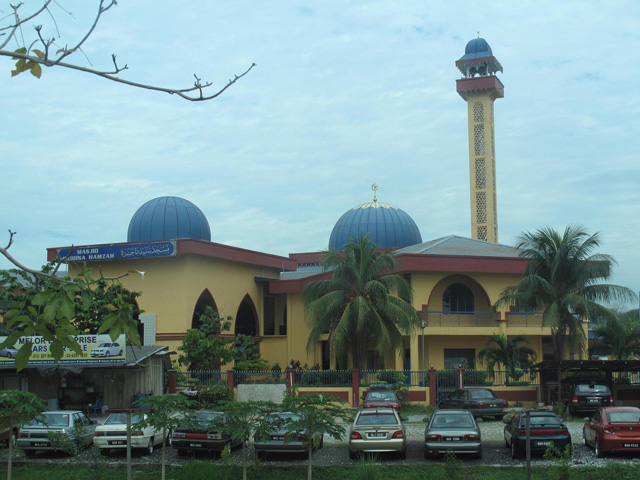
(345, 94)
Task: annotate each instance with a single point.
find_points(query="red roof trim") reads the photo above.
(461, 264)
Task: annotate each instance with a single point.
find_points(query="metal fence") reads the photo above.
(523, 319)
(189, 380)
(324, 378)
(500, 378)
(460, 319)
(260, 378)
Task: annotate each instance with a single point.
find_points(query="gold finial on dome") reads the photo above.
(374, 187)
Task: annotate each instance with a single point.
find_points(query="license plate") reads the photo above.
(451, 439)
(45, 444)
(594, 400)
(377, 435)
(630, 445)
(493, 405)
(543, 444)
(195, 445)
(117, 442)
(277, 437)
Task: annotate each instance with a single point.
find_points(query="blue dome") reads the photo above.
(477, 48)
(168, 218)
(387, 226)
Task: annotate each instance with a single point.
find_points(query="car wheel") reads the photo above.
(506, 444)
(169, 440)
(13, 438)
(9, 355)
(30, 453)
(584, 438)
(427, 455)
(479, 454)
(321, 441)
(599, 452)
(120, 353)
(514, 451)
(182, 452)
(353, 455)
(149, 449)
(402, 455)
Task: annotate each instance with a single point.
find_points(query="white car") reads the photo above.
(112, 434)
(34, 436)
(107, 350)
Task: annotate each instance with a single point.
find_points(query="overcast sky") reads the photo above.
(345, 94)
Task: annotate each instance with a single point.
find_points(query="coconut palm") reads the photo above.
(363, 307)
(510, 353)
(617, 337)
(563, 280)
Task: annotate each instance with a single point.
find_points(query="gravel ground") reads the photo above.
(336, 452)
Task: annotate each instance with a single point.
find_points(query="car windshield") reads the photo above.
(205, 417)
(381, 397)
(592, 389)
(481, 394)
(121, 419)
(52, 420)
(286, 417)
(371, 419)
(623, 417)
(536, 420)
(104, 345)
(449, 420)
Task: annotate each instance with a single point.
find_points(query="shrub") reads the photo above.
(214, 394)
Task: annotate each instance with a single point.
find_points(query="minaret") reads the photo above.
(480, 87)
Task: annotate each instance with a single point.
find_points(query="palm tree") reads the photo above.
(619, 338)
(362, 307)
(508, 353)
(563, 280)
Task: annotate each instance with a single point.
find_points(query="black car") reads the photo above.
(197, 434)
(481, 402)
(546, 428)
(585, 395)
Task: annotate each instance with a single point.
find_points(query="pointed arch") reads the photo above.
(204, 300)
(247, 318)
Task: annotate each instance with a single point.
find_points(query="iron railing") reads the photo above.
(524, 319)
(189, 380)
(460, 319)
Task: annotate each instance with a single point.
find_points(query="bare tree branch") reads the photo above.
(31, 59)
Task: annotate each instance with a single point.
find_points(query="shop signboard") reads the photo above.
(95, 349)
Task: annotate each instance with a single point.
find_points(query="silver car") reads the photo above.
(35, 436)
(378, 430)
(107, 350)
(452, 430)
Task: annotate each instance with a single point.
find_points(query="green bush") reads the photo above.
(213, 395)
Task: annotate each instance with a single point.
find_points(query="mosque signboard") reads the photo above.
(96, 350)
(124, 251)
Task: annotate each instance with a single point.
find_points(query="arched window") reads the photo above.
(205, 300)
(246, 319)
(457, 298)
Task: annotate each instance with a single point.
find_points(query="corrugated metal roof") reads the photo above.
(455, 245)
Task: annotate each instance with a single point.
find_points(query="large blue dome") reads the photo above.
(387, 226)
(168, 218)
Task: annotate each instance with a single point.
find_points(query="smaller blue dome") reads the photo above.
(387, 226)
(477, 48)
(168, 218)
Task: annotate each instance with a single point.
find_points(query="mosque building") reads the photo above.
(456, 281)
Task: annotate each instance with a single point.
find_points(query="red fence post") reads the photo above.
(433, 387)
(230, 379)
(355, 387)
(171, 381)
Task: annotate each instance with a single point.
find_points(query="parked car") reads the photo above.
(455, 430)
(107, 350)
(35, 435)
(585, 395)
(378, 430)
(279, 440)
(7, 436)
(112, 434)
(197, 434)
(613, 429)
(546, 428)
(481, 402)
(9, 352)
(378, 396)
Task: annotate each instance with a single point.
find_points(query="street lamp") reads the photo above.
(423, 323)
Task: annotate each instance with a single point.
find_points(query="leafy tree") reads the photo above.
(508, 353)
(209, 346)
(317, 413)
(59, 308)
(41, 50)
(213, 395)
(362, 307)
(563, 280)
(617, 337)
(167, 413)
(18, 408)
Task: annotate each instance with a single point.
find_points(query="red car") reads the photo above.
(613, 429)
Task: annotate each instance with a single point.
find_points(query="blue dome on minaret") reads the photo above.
(387, 226)
(168, 218)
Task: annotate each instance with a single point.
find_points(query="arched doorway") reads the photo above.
(205, 300)
(246, 318)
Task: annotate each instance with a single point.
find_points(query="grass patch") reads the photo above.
(214, 470)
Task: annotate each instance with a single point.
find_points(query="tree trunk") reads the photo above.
(244, 459)
(10, 461)
(164, 455)
(309, 456)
